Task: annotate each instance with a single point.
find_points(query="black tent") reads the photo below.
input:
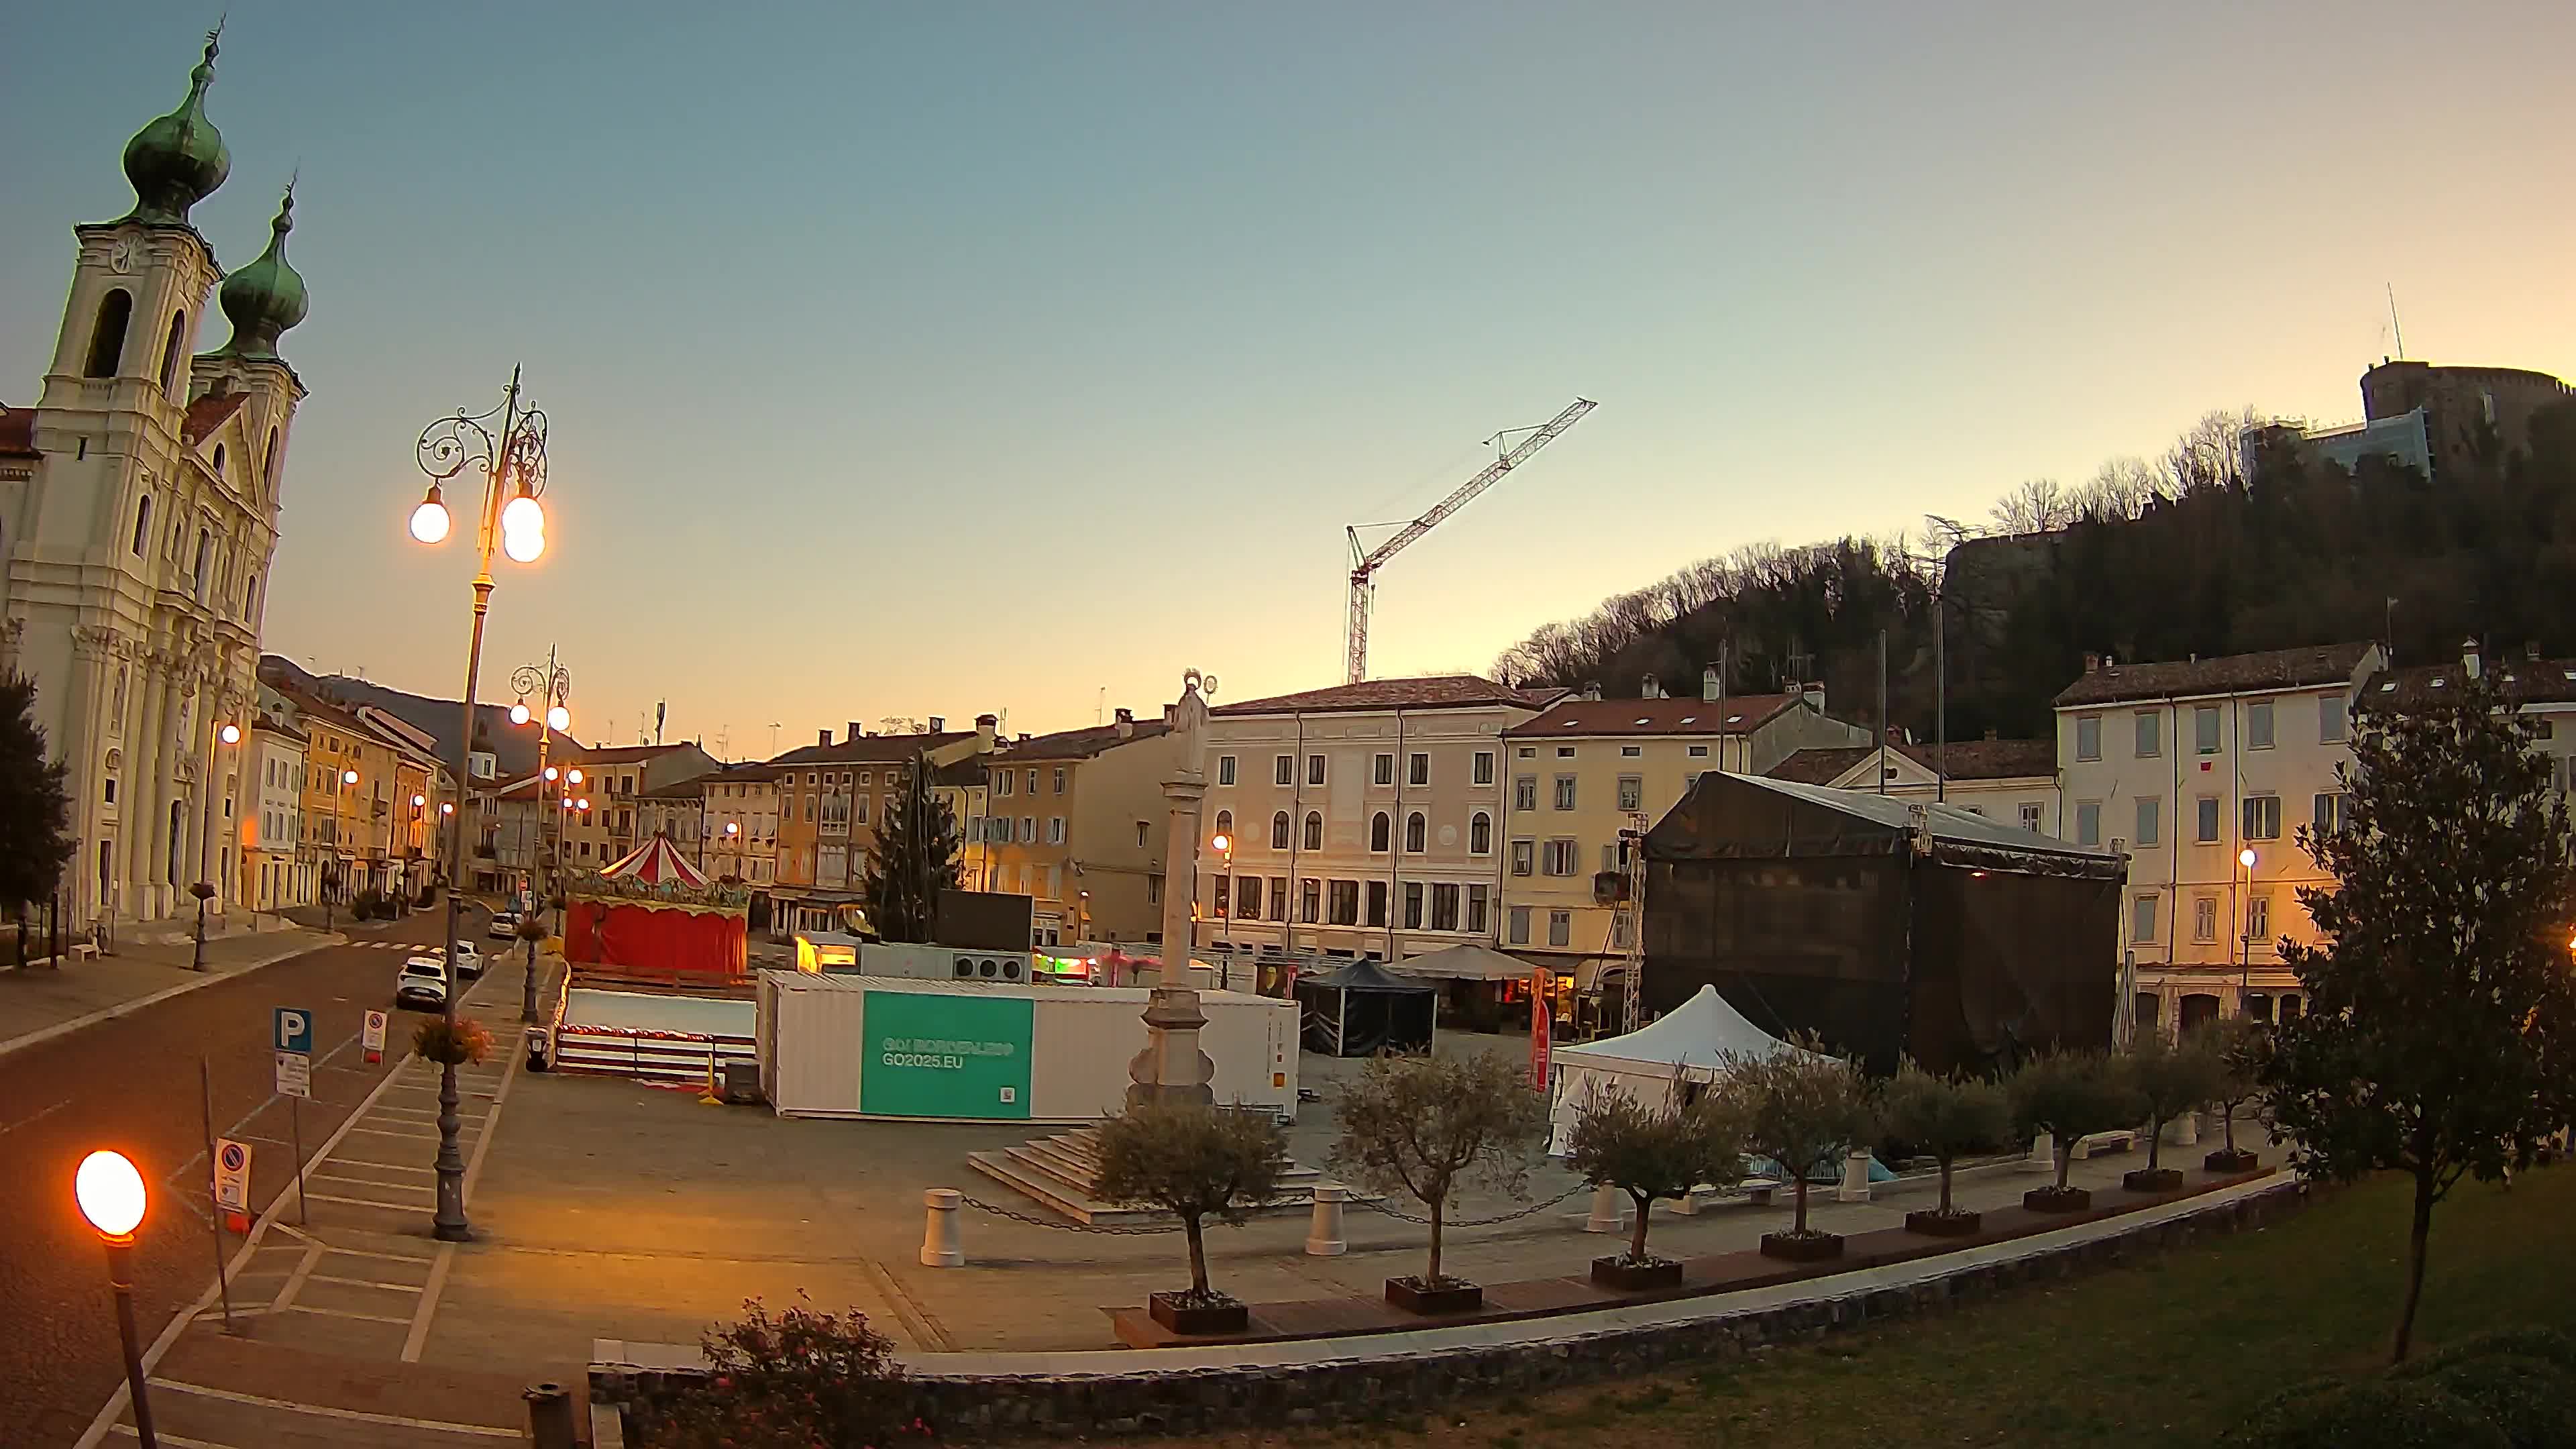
(1360, 1011)
(1891, 927)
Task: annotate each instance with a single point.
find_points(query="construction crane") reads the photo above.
(1365, 563)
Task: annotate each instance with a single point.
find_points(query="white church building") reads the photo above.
(139, 504)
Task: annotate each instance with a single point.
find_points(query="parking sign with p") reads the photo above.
(294, 1030)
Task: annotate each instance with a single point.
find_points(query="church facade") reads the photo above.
(139, 504)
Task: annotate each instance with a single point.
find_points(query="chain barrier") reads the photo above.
(1395, 1212)
(1109, 1229)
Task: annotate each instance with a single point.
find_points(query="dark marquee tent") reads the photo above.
(1885, 925)
(1360, 1011)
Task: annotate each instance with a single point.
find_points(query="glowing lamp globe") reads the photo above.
(1223, 843)
(2245, 857)
(418, 801)
(447, 807)
(583, 804)
(229, 734)
(552, 772)
(575, 776)
(733, 829)
(110, 1193)
(523, 529)
(519, 713)
(429, 520)
(348, 777)
(560, 719)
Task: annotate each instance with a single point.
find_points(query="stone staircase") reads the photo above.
(1063, 1173)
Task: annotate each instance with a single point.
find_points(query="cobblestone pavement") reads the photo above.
(132, 1083)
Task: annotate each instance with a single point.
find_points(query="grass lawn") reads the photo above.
(2170, 1351)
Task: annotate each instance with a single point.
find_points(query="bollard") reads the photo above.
(550, 1423)
(1688, 1204)
(1855, 1184)
(2043, 1155)
(2184, 1130)
(939, 1229)
(1324, 1229)
(1606, 1217)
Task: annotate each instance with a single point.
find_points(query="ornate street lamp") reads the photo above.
(513, 464)
(110, 1194)
(204, 890)
(552, 685)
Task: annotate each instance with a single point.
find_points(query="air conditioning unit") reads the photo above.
(943, 963)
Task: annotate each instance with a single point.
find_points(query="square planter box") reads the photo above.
(1226, 1317)
(2057, 1200)
(1931, 1224)
(1617, 1272)
(1813, 1248)
(2225, 1161)
(2159, 1179)
(1453, 1296)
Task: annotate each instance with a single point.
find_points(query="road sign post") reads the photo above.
(206, 1100)
(292, 1037)
(375, 1037)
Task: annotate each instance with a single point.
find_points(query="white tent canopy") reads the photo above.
(1466, 961)
(1697, 1037)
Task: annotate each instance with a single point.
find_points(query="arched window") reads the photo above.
(1413, 824)
(1379, 831)
(268, 462)
(205, 561)
(219, 461)
(142, 524)
(250, 597)
(170, 352)
(107, 335)
(1225, 824)
(1279, 831)
(1314, 831)
(1480, 834)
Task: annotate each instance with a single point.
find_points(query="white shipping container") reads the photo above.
(817, 1049)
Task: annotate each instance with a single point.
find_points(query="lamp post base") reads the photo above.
(120, 1280)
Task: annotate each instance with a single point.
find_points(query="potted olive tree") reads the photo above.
(1195, 1162)
(2169, 1079)
(1424, 1126)
(2069, 1096)
(1944, 1117)
(1802, 1107)
(1650, 1153)
(2240, 1046)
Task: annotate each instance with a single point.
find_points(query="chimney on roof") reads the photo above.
(1126, 725)
(985, 725)
(1990, 734)
(1712, 685)
(1592, 689)
(939, 724)
(2531, 651)
(2092, 663)
(856, 732)
(2469, 657)
(823, 736)
(1650, 688)
(1024, 737)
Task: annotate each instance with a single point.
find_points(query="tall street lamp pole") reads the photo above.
(110, 1194)
(225, 734)
(553, 687)
(512, 464)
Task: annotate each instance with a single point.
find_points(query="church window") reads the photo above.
(250, 597)
(219, 461)
(107, 338)
(268, 461)
(170, 351)
(142, 523)
(205, 561)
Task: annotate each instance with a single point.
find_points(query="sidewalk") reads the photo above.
(39, 1003)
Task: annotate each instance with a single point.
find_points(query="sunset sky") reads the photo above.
(932, 359)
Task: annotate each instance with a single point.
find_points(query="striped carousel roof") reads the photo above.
(655, 863)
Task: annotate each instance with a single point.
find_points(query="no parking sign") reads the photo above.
(232, 1175)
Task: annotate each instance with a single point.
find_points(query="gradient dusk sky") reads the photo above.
(931, 359)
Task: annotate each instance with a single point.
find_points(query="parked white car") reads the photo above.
(421, 983)
(469, 961)
(505, 925)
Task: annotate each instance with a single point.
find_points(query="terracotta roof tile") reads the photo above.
(2300, 668)
(1736, 715)
(1439, 691)
(1967, 760)
(208, 413)
(871, 749)
(1079, 744)
(2526, 681)
(18, 431)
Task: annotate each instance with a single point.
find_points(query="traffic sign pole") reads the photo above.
(295, 1129)
(292, 1037)
(206, 1099)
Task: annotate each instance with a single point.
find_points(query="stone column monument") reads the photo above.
(1171, 1068)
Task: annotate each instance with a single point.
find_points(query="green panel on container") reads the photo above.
(932, 1055)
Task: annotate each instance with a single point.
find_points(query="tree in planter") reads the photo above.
(1426, 1125)
(2170, 1078)
(2441, 1022)
(2070, 1096)
(1193, 1161)
(1944, 1117)
(793, 1381)
(35, 812)
(1654, 1152)
(913, 859)
(1801, 1107)
(2239, 1044)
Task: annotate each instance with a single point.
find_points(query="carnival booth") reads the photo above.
(1360, 1011)
(1693, 1042)
(652, 914)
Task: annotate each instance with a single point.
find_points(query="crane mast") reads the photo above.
(1365, 563)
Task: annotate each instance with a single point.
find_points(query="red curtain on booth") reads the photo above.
(646, 940)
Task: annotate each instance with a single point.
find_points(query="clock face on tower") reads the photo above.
(125, 254)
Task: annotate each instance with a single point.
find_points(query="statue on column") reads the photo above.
(1171, 1068)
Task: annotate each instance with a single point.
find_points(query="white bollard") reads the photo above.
(1687, 1205)
(1855, 1183)
(939, 1229)
(1606, 1217)
(1324, 1229)
(2043, 1155)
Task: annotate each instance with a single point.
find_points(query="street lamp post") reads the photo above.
(225, 734)
(339, 839)
(2245, 930)
(110, 1194)
(512, 464)
(1224, 844)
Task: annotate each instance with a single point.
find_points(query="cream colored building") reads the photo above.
(2186, 766)
(1586, 769)
(139, 507)
(1367, 819)
(830, 800)
(2011, 781)
(742, 824)
(1077, 822)
(275, 873)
